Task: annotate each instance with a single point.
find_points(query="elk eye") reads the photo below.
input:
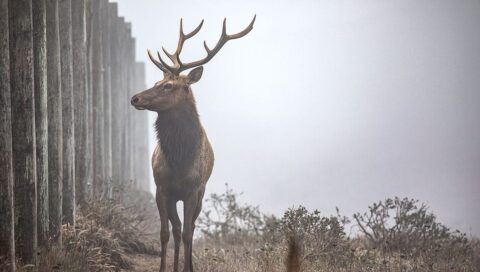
(167, 86)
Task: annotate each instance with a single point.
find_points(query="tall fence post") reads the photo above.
(129, 66)
(107, 101)
(115, 94)
(65, 29)
(120, 93)
(97, 91)
(125, 45)
(55, 134)
(23, 128)
(7, 241)
(79, 63)
(41, 117)
(142, 164)
(89, 107)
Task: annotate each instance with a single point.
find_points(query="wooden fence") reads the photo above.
(67, 131)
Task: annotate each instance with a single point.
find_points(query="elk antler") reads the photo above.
(178, 66)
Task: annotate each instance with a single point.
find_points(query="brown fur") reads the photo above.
(179, 134)
(183, 159)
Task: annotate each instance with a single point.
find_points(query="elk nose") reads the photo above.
(134, 100)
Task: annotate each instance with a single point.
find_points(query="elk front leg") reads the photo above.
(190, 207)
(198, 209)
(164, 231)
(176, 229)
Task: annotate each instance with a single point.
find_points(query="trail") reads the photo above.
(144, 263)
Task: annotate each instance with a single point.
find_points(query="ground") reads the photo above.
(144, 263)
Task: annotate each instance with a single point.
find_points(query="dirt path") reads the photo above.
(144, 263)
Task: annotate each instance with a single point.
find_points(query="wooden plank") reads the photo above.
(142, 159)
(107, 100)
(55, 133)
(97, 100)
(23, 128)
(41, 118)
(89, 104)
(65, 32)
(7, 241)
(129, 66)
(79, 60)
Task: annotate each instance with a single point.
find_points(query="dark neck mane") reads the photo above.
(178, 134)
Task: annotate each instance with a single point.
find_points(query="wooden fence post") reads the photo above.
(129, 66)
(7, 241)
(89, 107)
(120, 93)
(107, 100)
(115, 94)
(135, 121)
(97, 91)
(133, 144)
(65, 30)
(142, 164)
(123, 105)
(23, 129)
(41, 117)
(79, 63)
(55, 134)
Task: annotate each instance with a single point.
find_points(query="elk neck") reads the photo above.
(179, 134)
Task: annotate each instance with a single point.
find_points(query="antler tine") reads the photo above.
(194, 32)
(224, 38)
(170, 56)
(158, 64)
(243, 32)
(171, 69)
(175, 57)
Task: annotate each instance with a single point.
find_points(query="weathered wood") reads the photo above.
(107, 100)
(135, 135)
(79, 60)
(123, 97)
(89, 104)
(23, 128)
(41, 117)
(65, 32)
(97, 92)
(55, 133)
(142, 160)
(126, 97)
(115, 91)
(132, 141)
(7, 241)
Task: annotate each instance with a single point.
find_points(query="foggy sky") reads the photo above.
(334, 103)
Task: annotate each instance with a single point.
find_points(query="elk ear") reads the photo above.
(195, 75)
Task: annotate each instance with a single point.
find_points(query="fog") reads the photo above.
(334, 103)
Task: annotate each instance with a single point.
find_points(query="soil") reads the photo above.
(144, 263)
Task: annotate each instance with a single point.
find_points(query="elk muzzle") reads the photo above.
(136, 101)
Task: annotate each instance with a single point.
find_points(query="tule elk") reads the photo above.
(183, 158)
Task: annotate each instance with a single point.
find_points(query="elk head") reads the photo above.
(174, 87)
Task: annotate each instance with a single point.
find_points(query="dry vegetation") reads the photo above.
(393, 235)
(107, 231)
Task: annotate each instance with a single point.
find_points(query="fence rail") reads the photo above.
(67, 131)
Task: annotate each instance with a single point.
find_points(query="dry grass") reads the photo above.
(106, 232)
(122, 235)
